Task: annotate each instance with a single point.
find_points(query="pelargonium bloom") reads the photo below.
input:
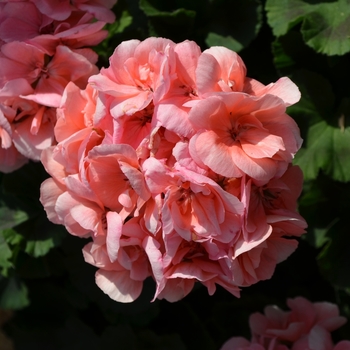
(61, 10)
(183, 177)
(228, 74)
(113, 174)
(136, 70)
(24, 124)
(35, 28)
(124, 261)
(177, 91)
(240, 343)
(238, 134)
(194, 205)
(306, 326)
(44, 53)
(291, 325)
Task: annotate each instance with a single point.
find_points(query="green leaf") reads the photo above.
(281, 58)
(291, 54)
(151, 11)
(327, 29)
(12, 237)
(13, 294)
(327, 149)
(321, 236)
(237, 34)
(175, 24)
(120, 24)
(214, 39)
(285, 14)
(318, 237)
(313, 85)
(5, 255)
(325, 26)
(41, 235)
(311, 109)
(11, 217)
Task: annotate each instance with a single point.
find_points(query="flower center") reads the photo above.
(145, 116)
(184, 197)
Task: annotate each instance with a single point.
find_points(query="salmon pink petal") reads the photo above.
(129, 106)
(258, 143)
(156, 174)
(136, 179)
(79, 218)
(55, 169)
(58, 10)
(105, 84)
(242, 246)
(114, 176)
(191, 271)
(152, 249)
(16, 87)
(215, 155)
(175, 289)
(182, 154)
(99, 9)
(319, 339)
(328, 316)
(87, 216)
(342, 345)
(201, 114)
(50, 190)
(114, 232)
(262, 169)
(125, 200)
(284, 88)
(108, 182)
(20, 60)
(16, 27)
(11, 159)
(31, 145)
(64, 67)
(227, 71)
(5, 132)
(118, 285)
(281, 248)
(170, 101)
(151, 215)
(171, 115)
(122, 52)
(70, 117)
(187, 54)
(239, 343)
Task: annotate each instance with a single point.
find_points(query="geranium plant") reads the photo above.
(153, 150)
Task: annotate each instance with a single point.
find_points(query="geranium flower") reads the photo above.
(62, 9)
(174, 175)
(238, 134)
(228, 74)
(124, 259)
(136, 70)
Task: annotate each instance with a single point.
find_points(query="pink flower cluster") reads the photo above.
(43, 46)
(307, 326)
(177, 167)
